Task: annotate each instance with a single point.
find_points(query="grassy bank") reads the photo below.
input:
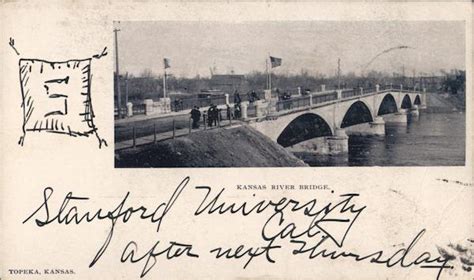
(445, 102)
(234, 147)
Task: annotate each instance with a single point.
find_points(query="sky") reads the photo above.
(195, 46)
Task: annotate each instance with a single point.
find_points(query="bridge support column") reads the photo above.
(423, 104)
(378, 126)
(243, 108)
(414, 111)
(149, 107)
(375, 128)
(272, 113)
(261, 108)
(268, 94)
(227, 98)
(339, 143)
(328, 145)
(129, 109)
(400, 118)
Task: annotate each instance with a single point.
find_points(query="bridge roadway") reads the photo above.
(321, 121)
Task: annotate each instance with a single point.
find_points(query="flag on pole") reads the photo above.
(166, 63)
(275, 61)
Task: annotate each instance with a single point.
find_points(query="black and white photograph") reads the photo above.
(236, 140)
(289, 93)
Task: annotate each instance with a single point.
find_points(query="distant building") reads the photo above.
(208, 93)
(227, 83)
(176, 94)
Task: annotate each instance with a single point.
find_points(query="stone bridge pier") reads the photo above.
(324, 127)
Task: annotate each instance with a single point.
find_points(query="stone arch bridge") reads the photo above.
(332, 116)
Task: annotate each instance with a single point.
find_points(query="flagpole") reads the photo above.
(270, 75)
(164, 82)
(266, 73)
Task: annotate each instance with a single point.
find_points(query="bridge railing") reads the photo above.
(369, 90)
(305, 101)
(189, 103)
(411, 89)
(325, 97)
(346, 93)
(293, 103)
(246, 97)
(137, 109)
(321, 97)
(385, 87)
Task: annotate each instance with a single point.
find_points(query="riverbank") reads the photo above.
(445, 102)
(231, 147)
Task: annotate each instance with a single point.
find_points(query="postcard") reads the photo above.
(236, 140)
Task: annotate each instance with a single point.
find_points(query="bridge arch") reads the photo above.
(304, 127)
(417, 100)
(406, 102)
(388, 105)
(357, 113)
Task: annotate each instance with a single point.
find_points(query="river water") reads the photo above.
(433, 139)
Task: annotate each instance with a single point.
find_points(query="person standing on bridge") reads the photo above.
(249, 97)
(196, 117)
(237, 113)
(176, 104)
(254, 95)
(237, 98)
(215, 115)
(210, 115)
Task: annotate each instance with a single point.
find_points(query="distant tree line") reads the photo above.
(455, 82)
(147, 85)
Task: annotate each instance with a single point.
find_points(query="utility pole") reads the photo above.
(338, 73)
(126, 89)
(166, 64)
(403, 74)
(117, 75)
